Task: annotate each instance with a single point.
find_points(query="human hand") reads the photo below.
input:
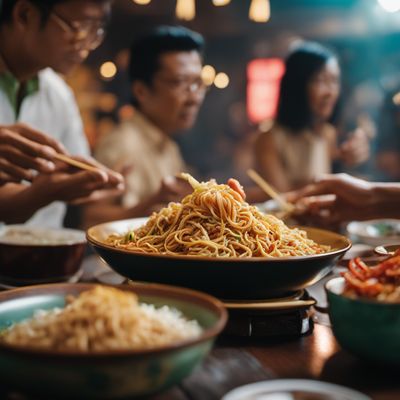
(173, 189)
(24, 150)
(356, 149)
(72, 185)
(332, 199)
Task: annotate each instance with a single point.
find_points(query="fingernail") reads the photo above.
(48, 165)
(49, 151)
(169, 179)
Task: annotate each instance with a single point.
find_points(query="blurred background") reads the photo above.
(244, 61)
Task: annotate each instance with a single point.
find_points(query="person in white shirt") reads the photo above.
(39, 39)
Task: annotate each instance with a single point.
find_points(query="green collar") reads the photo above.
(10, 86)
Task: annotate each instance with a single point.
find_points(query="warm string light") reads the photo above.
(260, 10)
(221, 2)
(185, 9)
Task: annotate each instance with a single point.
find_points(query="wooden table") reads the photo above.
(315, 356)
(235, 362)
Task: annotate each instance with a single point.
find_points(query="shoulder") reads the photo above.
(270, 135)
(55, 87)
(123, 138)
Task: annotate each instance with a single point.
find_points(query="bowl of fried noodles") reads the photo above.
(364, 308)
(95, 341)
(214, 241)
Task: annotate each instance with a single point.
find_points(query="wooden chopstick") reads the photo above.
(267, 188)
(75, 163)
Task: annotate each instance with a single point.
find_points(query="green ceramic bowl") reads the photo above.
(368, 329)
(111, 374)
(226, 278)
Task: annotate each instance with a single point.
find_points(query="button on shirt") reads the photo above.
(142, 149)
(48, 106)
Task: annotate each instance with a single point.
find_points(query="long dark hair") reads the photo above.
(301, 65)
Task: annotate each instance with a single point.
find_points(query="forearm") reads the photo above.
(18, 203)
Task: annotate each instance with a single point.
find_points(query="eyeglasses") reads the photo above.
(89, 34)
(185, 85)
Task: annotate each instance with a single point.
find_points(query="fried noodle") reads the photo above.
(215, 221)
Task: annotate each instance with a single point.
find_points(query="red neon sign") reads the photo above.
(263, 76)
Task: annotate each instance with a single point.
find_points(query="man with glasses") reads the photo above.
(38, 39)
(167, 89)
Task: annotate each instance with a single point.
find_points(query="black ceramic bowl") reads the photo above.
(30, 255)
(233, 278)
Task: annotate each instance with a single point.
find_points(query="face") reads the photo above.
(73, 29)
(323, 90)
(176, 94)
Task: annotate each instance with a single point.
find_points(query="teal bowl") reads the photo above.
(368, 329)
(110, 374)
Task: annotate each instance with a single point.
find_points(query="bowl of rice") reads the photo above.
(97, 341)
(32, 255)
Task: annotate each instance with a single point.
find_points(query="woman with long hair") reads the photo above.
(302, 143)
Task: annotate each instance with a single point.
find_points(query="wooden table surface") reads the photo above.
(315, 356)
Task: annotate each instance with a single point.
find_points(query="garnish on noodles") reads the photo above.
(215, 221)
(380, 282)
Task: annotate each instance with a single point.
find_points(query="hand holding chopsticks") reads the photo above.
(75, 163)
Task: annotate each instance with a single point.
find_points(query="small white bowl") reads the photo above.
(375, 232)
(292, 389)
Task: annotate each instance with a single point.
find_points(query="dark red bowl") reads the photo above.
(30, 255)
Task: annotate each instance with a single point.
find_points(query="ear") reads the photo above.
(140, 91)
(25, 14)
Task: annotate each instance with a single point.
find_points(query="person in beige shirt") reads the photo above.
(148, 155)
(167, 89)
(302, 143)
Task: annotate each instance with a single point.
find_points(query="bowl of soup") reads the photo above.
(31, 255)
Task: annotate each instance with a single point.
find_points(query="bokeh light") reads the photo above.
(221, 80)
(208, 74)
(108, 70)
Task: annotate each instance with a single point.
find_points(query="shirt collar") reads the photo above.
(10, 85)
(153, 133)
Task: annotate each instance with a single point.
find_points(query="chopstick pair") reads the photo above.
(75, 163)
(267, 188)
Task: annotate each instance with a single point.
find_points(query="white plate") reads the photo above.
(294, 389)
(375, 232)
